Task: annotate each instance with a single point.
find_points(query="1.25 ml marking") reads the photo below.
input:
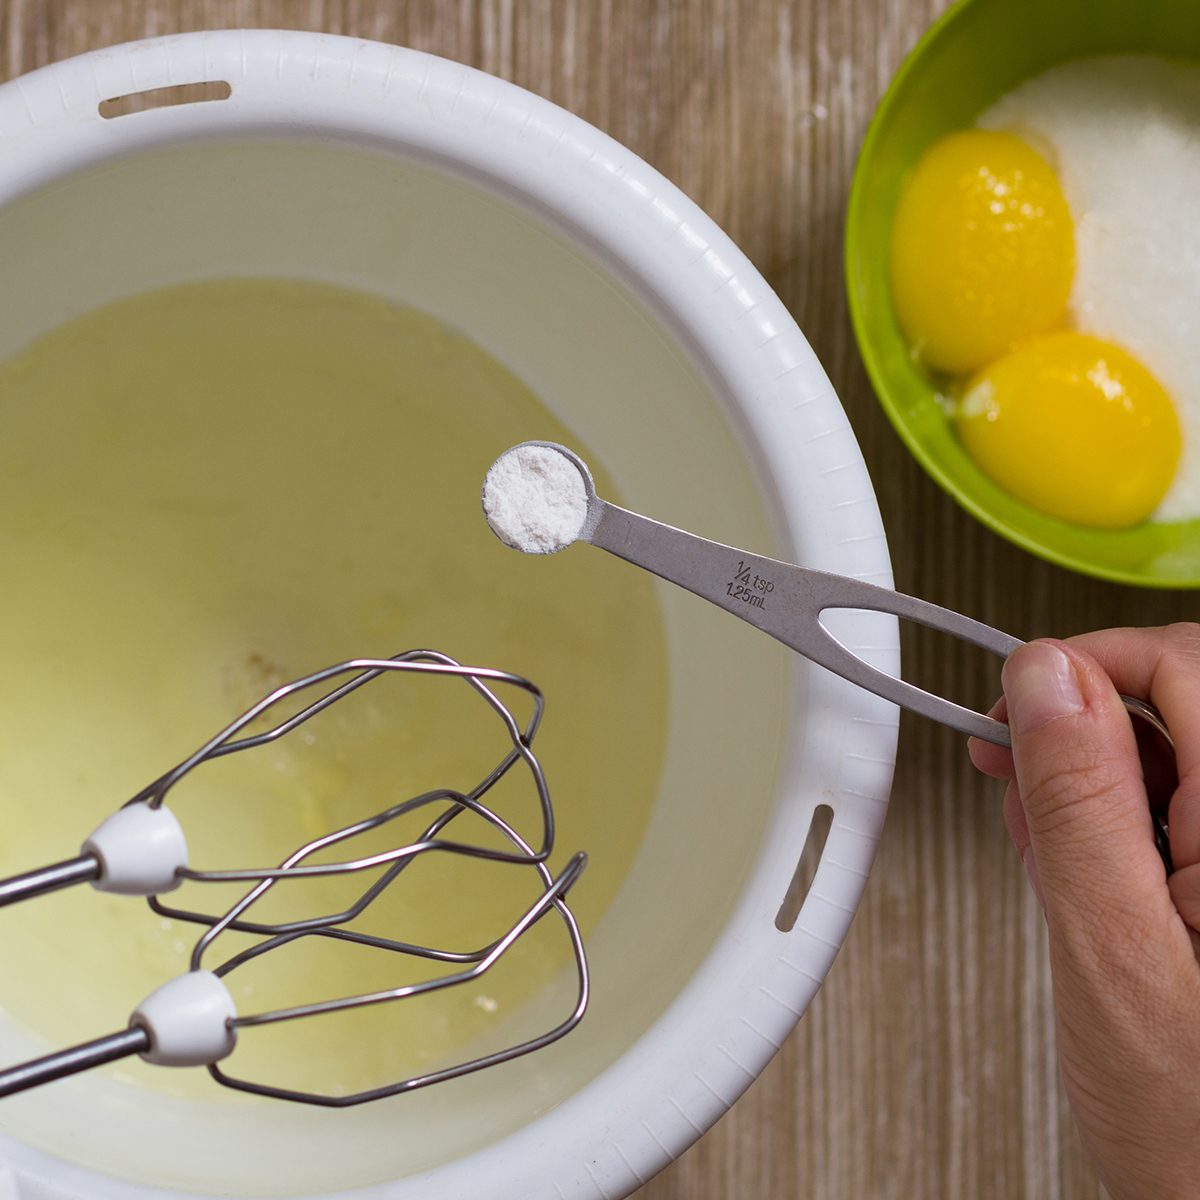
(748, 587)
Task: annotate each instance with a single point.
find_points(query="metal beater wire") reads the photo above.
(428, 662)
(551, 897)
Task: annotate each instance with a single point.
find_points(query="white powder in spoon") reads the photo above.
(534, 499)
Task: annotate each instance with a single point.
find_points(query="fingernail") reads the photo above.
(1031, 869)
(1041, 686)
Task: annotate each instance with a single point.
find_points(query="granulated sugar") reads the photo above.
(534, 499)
(1124, 135)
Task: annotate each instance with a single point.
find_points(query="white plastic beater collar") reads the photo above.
(140, 849)
(189, 1021)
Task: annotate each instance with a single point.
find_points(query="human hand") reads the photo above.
(1123, 938)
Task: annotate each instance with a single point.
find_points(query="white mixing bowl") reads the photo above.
(646, 331)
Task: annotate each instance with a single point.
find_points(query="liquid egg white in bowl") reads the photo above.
(655, 343)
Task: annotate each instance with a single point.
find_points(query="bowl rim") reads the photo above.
(755, 983)
(857, 202)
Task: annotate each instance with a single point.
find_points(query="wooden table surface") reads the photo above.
(925, 1067)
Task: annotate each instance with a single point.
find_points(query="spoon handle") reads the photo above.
(786, 601)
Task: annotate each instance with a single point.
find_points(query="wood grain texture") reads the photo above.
(925, 1068)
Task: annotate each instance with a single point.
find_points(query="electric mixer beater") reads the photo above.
(192, 1019)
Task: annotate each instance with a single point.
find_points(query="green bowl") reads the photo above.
(976, 52)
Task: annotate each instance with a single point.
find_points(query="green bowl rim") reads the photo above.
(876, 374)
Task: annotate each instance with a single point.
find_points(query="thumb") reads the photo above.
(1080, 781)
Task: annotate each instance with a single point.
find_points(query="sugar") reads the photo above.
(534, 499)
(1123, 132)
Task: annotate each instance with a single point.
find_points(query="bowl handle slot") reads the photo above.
(164, 97)
(806, 868)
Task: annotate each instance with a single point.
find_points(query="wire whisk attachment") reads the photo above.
(192, 1020)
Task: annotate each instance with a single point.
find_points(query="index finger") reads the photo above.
(1163, 666)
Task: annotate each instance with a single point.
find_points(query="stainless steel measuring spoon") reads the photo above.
(786, 601)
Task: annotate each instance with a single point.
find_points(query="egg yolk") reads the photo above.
(1075, 427)
(982, 250)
